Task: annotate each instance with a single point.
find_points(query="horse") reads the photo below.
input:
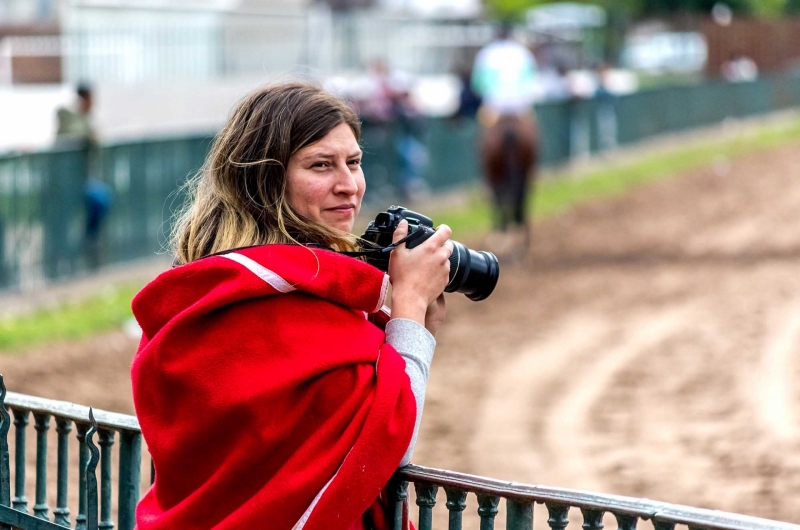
(510, 152)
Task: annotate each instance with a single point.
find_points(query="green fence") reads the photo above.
(43, 211)
(574, 128)
(42, 195)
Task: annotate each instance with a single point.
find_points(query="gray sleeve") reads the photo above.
(415, 344)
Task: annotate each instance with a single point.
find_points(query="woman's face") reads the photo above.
(324, 181)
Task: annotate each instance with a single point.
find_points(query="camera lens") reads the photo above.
(472, 273)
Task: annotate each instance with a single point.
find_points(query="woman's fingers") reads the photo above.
(400, 232)
(423, 272)
(435, 314)
(447, 250)
(441, 235)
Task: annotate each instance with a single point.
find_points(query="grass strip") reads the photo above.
(69, 321)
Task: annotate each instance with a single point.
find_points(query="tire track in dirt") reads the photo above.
(542, 400)
(517, 401)
(568, 423)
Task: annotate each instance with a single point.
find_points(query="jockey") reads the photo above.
(505, 75)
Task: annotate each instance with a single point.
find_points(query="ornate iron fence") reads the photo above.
(14, 511)
(519, 498)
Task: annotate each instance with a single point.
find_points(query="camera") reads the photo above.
(472, 273)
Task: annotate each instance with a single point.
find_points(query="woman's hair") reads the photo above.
(238, 198)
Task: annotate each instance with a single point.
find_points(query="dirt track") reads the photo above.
(648, 348)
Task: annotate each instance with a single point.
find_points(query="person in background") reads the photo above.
(740, 68)
(74, 125)
(606, 109)
(504, 76)
(75, 131)
(583, 86)
(555, 83)
(469, 102)
(272, 386)
(391, 108)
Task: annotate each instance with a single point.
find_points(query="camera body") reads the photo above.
(381, 231)
(472, 273)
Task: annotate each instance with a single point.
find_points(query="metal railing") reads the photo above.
(14, 511)
(520, 498)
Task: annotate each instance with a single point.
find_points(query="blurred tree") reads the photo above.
(511, 9)
(515, 9)
(747, 7)
(793, 7)
(622, 12)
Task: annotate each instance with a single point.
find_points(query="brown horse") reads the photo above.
(510, 149)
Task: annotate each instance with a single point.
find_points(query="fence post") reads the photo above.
(456, 504)
(106, 441)
(130, 463)
(42, 425)
(592, 519)
(426, 500)
(5, 466)
(398, 494)
(61, 512)
(91, 476)
(20, 501)
(557, 516)
(663, 525)
(487, 510)
(83, 461)
(627, 522)
(519, 515)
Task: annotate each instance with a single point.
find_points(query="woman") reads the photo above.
(267, 395)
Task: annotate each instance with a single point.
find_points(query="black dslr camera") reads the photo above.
(472, 273)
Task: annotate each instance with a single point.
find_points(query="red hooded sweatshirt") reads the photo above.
(265, 395)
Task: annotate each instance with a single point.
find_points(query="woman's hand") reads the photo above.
(435, 314)
(419, 276)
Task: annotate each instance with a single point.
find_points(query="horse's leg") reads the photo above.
(527, 193)
(498, 217)
(528, 157)
(492, 171)
(517, 197)
(511, 174)
(520, 184)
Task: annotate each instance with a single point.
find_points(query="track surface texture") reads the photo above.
(648, 346)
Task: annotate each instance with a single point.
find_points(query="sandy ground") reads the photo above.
(646, 347)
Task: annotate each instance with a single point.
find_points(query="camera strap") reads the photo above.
(383, 250)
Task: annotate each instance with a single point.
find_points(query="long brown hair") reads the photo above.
(238, 199)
